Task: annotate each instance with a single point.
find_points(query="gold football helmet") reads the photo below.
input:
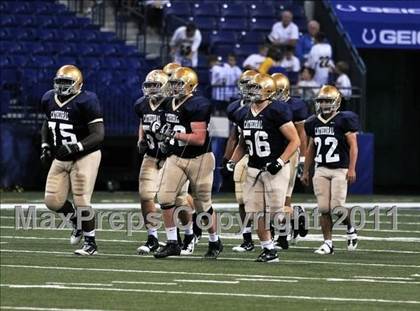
(328, 99)
(170, 68)
(282, 85)
(155, 84)
(245, 77)
(68, 80)
(261, 87)
(183, 82)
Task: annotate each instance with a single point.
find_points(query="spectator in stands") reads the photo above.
(320, 59)
(343, 82)
(271, 63)
(184, 45)
(254, 61)
(290, 62)
(217, 78)
(232, 74)
(307, 86)
(306, 41)
(154, 13)
(284, 32)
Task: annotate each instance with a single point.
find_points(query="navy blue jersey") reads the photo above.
(236, 111)
(329, 137)
(151, 116)
(194, 109)
(68, 122)
(262, 134)
(299, 109)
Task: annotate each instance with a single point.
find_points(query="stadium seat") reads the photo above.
(42, 61)
(134, 63)
(14, 7)
(87, 50)
(252, 37)
(18, 60)
(20, 34)
(205, 9)
(177, 8)
(90, 63)
(109, 50)
(25, 21)
(223, 49)
(127, 50)
(7, 21)
(245, 49)
(261, 24)
(233, 10)
(233, 23)
(65, 60)
(221, 36)
(45, 34)
(11, 47)
(257, 9)
(87, 35)
(5, 97)
(205, 22)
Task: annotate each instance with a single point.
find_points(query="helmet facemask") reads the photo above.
(154, 89)
(281, 95)
(326, 105)
(254, 92)
(65, 86)
(176, 88)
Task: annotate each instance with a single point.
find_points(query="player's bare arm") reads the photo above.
(198, 135)
(289, 131)
(239, 151)
(231, 143)
(351, 139)
(302, 136)
(309, 159)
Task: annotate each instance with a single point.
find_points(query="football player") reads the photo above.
(71, 137)
(299, 114)
(271, 140)
(150, 110)
(239, 169)
(333, 147)
(187, 116)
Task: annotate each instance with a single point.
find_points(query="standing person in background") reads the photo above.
(291, 63)
(232, 74)
(254, 61)
(307, 86)
(184, 45)
(306, 41)
(272, 62)
(284, 32)
(343, 82)
(320, 59)
(217, 81)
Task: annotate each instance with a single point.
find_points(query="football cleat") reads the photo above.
(282, 242)
(352, 241)
(268, 255)
(325, 249)
(76, 234)
(88, 249)
(246, 246)
(151, 245)
(214, 250)
(170, 249)
(302, 230)
(188, 245)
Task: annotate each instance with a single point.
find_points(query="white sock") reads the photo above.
(152, 231)
(267, 244)
(328, 242)
(171, 234)
(213, 237)
(189, 229)
(247, 230)
(89, 233)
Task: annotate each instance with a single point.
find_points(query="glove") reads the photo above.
(227, 167)
(65, 151)
(167, 132)
(142, 146)
(300, 167)
(46, 156)
(275, 166)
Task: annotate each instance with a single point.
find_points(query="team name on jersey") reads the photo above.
(58, 114)
(324, 130)
(150, 118)
(170, 117)
(253, 124)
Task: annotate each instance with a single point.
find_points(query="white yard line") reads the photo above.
(267, 280)
(144, 283)
(382, 277)
(46, 309)
(369, 281)
(206, 281)
(207, 293)
(416, 275)
(78, 284)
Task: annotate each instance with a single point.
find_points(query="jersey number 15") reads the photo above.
(62, 128)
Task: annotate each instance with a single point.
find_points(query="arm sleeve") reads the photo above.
(266, 65)
(301, 113)
(309, 127)
(93, 111)
(295, 33)
(95, 137)
(282, 115)
(352, 123)
(201, 111)
(44, 134)
(174, 38)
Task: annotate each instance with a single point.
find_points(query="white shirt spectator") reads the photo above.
(254, 61)
(232, 75)
(344, 85)
(280, 34)
(217, 81)
(307, 89)
(320, 59)
(181, 41)
(292, 64)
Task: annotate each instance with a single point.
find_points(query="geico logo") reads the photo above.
(380, 10)
(403, 37)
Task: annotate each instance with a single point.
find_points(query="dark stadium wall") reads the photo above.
(393, 115)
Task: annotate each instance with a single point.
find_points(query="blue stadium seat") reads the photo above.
(8, 21)
(202, 61)
(221, 36)
(66, 35)
(65, 60)
(205, 9)
(127, 50)
(46, 21)
(233, 23)
(25, 21)
(5, 97)
(252, 37)
(42, 61)
(178, 9)
(14, 7)
(203, 76)
(90, 63)
(18, 60)
(205, 22)
(11, 47)
(20, 34)
(104, 36)
(68, 22)
(88, 35)
(87, 50)
(233, 10)
(223, 49)
(261, 24)
(46, 35)
(245, 49)
(134, 63)
(109, 50)
(66, 49)
(257, 9)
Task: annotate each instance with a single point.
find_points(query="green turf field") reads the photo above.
(38, 271)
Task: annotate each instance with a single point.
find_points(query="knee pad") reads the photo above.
(53, 202)
(202, 197)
